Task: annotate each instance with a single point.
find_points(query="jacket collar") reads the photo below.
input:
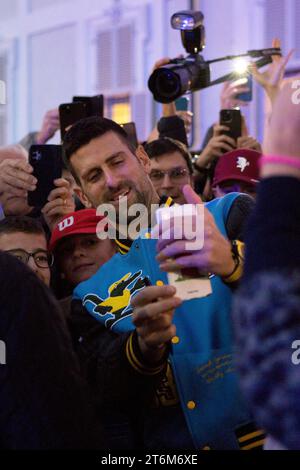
(124, 245)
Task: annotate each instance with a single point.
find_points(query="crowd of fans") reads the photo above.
(101, 350)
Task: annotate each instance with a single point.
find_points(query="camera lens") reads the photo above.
(167, 84)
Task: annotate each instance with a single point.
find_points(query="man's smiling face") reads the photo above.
(108, 172)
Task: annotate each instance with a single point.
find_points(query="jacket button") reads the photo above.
(175, 340)
(159, 283)
(191, 405)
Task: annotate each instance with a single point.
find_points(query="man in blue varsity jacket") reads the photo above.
(162, 370)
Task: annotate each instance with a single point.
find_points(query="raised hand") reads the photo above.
(60, 203)
(271, 78)
(152, 316)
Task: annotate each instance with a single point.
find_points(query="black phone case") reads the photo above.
(69, 113)
(130, 129)
(231, 118)
(47, 164)
(94, 104)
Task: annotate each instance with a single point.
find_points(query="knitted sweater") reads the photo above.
(267, 310)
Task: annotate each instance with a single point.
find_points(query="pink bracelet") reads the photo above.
(294, 162)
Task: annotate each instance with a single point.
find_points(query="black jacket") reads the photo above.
(44, 401)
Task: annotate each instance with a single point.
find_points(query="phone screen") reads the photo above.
(247, 82)
(47, 164)
(182, 103)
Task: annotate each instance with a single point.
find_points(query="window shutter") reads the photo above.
(104, 58)
(275, 21)
(114, 59)
(124, 53)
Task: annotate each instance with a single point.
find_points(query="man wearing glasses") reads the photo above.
(171, 168)
(24, 238)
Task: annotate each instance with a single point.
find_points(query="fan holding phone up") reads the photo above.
(53, 194)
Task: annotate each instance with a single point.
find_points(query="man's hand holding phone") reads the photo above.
(152, 316)
(16, 180)
(229, 95)
(218, 144)
(215, 255)
(60, 203)
(248, 142)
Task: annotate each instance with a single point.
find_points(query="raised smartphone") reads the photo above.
(47, 164)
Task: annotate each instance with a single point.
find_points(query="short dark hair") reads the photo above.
(85, 130)
(166, 145)
(21, 223)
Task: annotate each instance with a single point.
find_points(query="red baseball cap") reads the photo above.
(240, 165)
(82, 221)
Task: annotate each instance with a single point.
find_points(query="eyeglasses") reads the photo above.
(175, 174)
(42, 258)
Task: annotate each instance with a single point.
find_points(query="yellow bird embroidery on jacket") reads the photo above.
(119, 296)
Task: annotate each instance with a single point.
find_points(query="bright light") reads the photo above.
(240, 65)
(183, 22)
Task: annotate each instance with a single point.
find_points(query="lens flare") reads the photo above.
(240, 66)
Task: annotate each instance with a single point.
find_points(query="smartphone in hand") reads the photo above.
(69, 113)
(232, 118)
(47, 164)
(130, 129)
(94, 104)
(248, 83)
(182, 104)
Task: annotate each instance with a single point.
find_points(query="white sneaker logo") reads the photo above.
(242, 163)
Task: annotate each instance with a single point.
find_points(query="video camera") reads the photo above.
(192, 73)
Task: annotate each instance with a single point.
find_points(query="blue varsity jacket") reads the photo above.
(201, 358)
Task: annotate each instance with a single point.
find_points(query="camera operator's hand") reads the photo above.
(187, 117)
(49, 126)
(218, 144)
(60, 203)
(272, 78)
(228, 98)
(15, 181)
(152, 316)
(168, 109)
(247, 142)
(214, 257)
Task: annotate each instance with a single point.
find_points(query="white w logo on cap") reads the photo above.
(66, 223)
